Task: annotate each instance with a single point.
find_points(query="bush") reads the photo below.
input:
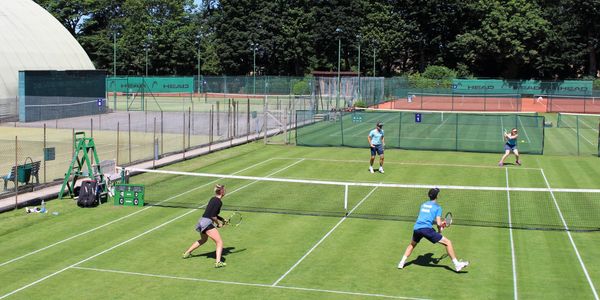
(439, 73)
(360, 104)
(301, 87)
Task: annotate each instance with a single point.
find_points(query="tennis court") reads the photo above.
(423, 130)
(296, 241)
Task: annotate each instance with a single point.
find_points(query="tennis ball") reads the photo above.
(522, 141)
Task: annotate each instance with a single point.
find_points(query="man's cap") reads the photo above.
(433, 193)
(380, 124)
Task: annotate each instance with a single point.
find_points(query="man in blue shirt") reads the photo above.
(377, 141)
(429, 213)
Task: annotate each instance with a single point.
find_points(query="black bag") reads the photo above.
(88, 196)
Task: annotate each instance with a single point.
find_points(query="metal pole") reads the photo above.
(162, 131)
(373, 60)
(189, 125)
(154, 146)
(218, 120)
(146, 61)
(339, 82)
(16, 175)
(44, 155)
(92, 127)
(359, 95)
(118, 133)
(183, 134)
(254, 68)
(115, 57)
(248, 121)
(129, 129)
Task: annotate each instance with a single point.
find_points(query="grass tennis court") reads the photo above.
(296, 242)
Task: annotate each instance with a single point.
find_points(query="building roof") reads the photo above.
(32, 39)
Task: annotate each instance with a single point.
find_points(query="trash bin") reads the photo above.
(24, 172)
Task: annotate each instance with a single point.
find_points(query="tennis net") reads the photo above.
(582, 130)
(506, 207)
(422, 130)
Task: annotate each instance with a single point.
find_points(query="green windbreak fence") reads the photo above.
(579, 133)
(451, 131)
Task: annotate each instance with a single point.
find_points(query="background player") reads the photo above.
(429, 213)
(377, 142)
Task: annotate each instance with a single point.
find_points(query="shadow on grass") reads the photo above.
(213, 254)
(427, 260)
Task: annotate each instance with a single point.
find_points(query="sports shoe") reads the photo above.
(381, 170)
(461, 265)
(186, 255)
(400, 265)
(518, 162)
(371, 170)
(220, 264)
(500, 164)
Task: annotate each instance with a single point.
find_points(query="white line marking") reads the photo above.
(324, 237)
(494, 166)
(124, 217)
(512, 244)
(589, 279)
(123, 243)
(245, 283)
(524, 130)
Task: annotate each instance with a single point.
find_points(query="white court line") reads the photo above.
(524, 130)
(124, 217)
(582, 136)
(322, 239)
(512, 244)
(589, 279)
(246, 284)
(124, 242)
(494, 166)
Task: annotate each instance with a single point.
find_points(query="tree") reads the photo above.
(508, 41)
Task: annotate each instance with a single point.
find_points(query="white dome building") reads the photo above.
(32, 39)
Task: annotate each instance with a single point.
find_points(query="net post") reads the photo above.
(598, 139)
(346, 199)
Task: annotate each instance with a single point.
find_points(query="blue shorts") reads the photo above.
(378, 149)
(430, 234)
(509, 147)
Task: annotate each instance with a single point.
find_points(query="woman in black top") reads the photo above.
(207, 228)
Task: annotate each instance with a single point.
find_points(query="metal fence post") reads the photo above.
(118, 135)
(44, 153)
(16, 175)
(129, 129)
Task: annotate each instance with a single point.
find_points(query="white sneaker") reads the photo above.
(400, 265)
(371, 170)
(27, 210)
(381, 170)
(461, 265)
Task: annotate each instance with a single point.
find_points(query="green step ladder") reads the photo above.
(85, 156)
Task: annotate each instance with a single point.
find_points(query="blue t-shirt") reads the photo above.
(512, 142)
(376, 136)
(427, 213)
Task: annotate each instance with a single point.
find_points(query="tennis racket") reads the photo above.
(448, 219)
(234, 220)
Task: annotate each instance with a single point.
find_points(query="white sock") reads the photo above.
(455, 261)
(403, 260)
